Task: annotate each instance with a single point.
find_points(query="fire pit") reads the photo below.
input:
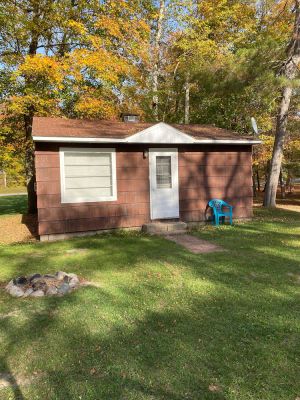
(38, 285)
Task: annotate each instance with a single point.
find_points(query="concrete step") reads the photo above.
(165, 228)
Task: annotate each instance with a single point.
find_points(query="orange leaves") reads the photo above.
(263, 152)
(110, 25)
(89, 58)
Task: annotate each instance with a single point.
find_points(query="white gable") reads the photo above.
(161, 133)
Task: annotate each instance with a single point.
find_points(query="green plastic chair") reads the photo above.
(218, 209)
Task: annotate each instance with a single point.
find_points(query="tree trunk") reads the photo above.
(273, 176)
(258, 179)
(156, 58)
(254, 185)
(289, 183)
(29, 164)
(28, 119)
(187, 99)
(282, 186)
(166, 108)
(289, 71)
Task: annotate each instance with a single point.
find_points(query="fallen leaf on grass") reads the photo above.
(214, 388)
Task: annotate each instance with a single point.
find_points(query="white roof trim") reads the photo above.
(161, 133)
(68, 139)
(228, 141)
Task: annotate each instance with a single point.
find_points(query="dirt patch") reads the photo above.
(14, 381)
(282, 206)
(10, 314)
(214, 388)
(18, 228)
(83, 282)
(71, 252)
(194, 244)
(289, 207)
(290, 203)
(295, 277)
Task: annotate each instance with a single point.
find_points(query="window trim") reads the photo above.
(111, 151)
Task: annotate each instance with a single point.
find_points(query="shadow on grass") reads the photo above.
(166, 324)
(169, 354)
(13, 205)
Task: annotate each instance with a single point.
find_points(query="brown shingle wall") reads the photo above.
(131, 208)
(205, 172)
(224, 173)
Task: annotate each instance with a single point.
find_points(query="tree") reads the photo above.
(156, 54)
(66, 57)
(26, 28)
(289, 72)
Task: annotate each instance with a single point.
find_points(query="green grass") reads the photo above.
(13, 205)
(13, 189)
(161, 323)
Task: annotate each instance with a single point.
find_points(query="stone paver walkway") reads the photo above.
(194, 244)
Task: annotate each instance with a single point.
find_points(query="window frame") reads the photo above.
(64, 198)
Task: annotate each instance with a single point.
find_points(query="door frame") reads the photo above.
(173, 152)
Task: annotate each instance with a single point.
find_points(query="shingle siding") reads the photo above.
(204, 172)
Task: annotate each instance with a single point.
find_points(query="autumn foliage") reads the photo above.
(92, 59)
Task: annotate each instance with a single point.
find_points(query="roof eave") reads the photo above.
(228, 141)
(69, 139)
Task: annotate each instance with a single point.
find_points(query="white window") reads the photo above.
(87, 175)
(163, 172)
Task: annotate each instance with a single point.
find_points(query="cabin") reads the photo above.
(95, 175)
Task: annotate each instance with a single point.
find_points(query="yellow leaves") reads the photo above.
(41, 67)
(19, 105)
(263, 152)
(111, 43)
(11, 152)
(292, 146)
(109, 24)
(101, 63)
(225, 22)
(278, 20)
(295, 144)
(121, 25)
(90, 107)
(77, 27)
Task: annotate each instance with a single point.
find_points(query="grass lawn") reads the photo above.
(13, 205)
(160, 322)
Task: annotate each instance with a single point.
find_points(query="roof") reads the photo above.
(93, 131)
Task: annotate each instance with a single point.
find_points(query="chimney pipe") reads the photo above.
(130, 118)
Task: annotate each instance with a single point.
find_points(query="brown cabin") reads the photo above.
(99, 175)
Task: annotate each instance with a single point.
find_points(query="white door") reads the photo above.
(164, 197)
